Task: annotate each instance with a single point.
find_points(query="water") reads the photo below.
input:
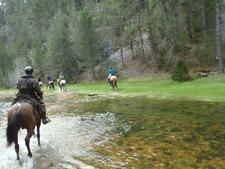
(65, 137)
(130, 133)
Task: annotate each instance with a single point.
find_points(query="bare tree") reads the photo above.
(141, 39)
(218, 45)
(203, 19)
(170, 33)
(152, 43)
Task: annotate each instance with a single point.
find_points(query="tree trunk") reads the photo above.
(132, 49)
(218, 45)
(203, 19)
(188, 21)
(141, 39)
(150, 35)
(170, 36)
(171, 43)
(97, 7)
(121, 54)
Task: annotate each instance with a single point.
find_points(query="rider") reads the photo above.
(39, 79)
(111, 73)
(48, 78)
(61, 77)
(30, 91)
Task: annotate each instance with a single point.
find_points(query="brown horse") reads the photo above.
(50, 85)
(113, 82)
(22, 115)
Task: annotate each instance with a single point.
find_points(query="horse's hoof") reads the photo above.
(30, 154)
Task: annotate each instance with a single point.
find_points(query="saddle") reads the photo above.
(50, 82)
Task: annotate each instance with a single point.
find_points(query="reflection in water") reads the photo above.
(124, 133)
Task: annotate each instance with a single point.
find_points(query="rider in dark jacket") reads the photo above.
(30, 91)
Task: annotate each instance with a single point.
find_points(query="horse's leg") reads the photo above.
(53, 86)
(113, 84)
(30, 132)
(17, 147)
(38, 134)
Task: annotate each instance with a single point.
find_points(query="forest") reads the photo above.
(76, 36)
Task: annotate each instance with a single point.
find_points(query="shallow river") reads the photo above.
(99, 132)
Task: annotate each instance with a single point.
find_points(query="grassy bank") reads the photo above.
(206, 89)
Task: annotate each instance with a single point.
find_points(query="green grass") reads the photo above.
(206, 89)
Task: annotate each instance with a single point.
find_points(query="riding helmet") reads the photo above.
(28, 70)
(110, 67)
(60, 73)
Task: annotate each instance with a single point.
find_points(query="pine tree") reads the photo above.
(88, 45)
(59, 56)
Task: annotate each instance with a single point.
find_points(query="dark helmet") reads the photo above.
(110, 67)
(29, 70)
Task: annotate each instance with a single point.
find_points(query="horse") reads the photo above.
(50, 84)
(22, 115)
(40, 84)
(113, 82)
(62, 85)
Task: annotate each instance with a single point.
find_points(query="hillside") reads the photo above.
(140, 67)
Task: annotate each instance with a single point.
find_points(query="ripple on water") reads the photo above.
(64, 140)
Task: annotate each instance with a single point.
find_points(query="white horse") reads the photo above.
(62, 85)
(40, 84)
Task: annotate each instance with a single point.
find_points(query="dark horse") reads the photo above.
(22, 115)
(113, 82)
(50, 84)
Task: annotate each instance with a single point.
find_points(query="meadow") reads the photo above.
(155, 86)
(205, 89)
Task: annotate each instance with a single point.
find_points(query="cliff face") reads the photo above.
(140, 63)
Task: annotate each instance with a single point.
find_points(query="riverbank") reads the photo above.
(156, 86)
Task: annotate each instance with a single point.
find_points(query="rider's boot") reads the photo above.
(108, 80)
(43, 117)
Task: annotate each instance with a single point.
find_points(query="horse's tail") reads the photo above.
(114, 81)
(13, 125)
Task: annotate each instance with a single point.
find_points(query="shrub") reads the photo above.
(181, 72)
